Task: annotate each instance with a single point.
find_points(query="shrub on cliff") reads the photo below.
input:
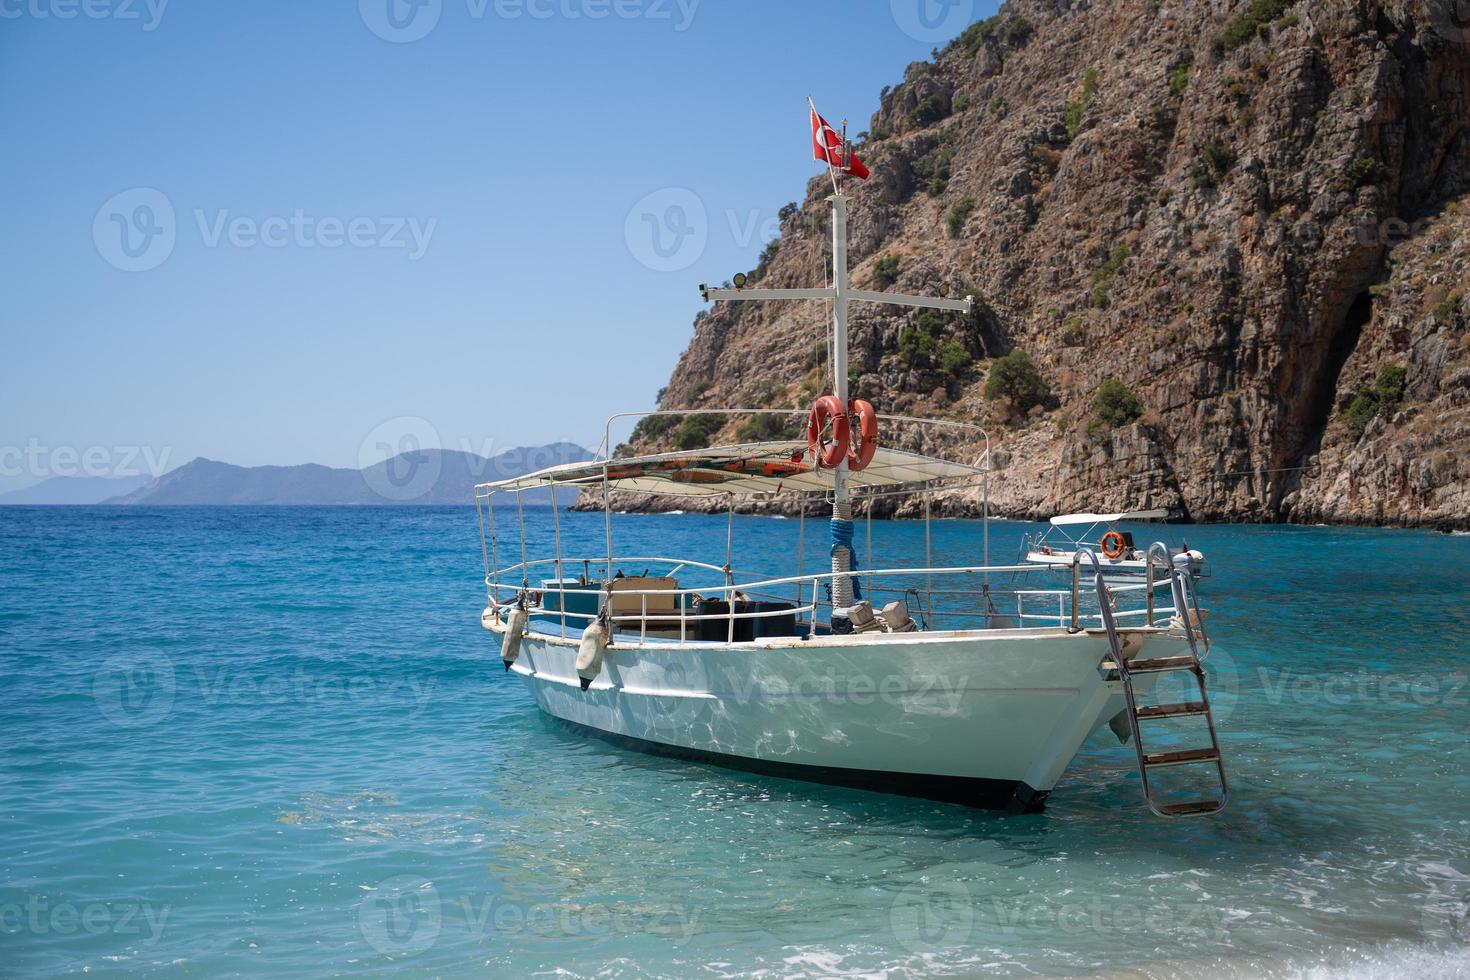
(1018, 32)
(958, 215)
(1115, 404)
(1250, 23)
(917, 347)
(1015, 378)
(927, 112)
(973, 38)
(1072, 118)
(1212, 163)
(1103, 275)
(696, 430)
(766, 428)
(933, 169)
(653, 426)
(885, 271)
(1382, 398)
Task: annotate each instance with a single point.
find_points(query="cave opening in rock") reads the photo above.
(1343, 343)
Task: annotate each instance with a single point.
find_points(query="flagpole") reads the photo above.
(845, 588)
(831, 170)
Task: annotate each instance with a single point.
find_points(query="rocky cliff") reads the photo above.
(1220, 250)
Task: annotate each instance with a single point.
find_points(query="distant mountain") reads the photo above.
(422, 477)
(73, 490)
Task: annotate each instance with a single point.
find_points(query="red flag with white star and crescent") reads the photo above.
(827, 147)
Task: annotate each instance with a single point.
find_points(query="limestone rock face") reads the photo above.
(1254, 222)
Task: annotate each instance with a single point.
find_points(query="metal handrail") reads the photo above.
(789, 580)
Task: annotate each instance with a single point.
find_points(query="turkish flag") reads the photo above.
(827, 147)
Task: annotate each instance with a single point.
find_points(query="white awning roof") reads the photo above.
(761, 467)
(1127, 515)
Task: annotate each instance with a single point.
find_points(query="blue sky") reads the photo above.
(284, 232)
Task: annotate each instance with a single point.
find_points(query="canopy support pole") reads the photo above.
(561, 586)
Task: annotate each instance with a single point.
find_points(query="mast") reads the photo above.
(840, 294)
(841, 495)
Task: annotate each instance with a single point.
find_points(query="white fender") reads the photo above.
(589, 654)
(510, 643)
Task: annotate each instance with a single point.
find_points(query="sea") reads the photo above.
(277, 742)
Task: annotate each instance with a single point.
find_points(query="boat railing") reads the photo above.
(932, 605)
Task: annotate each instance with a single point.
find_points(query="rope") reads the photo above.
(844, 559)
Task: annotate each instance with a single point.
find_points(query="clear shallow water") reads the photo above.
(278, 742)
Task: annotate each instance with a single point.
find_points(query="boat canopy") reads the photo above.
(760, 467)
(1063, 520)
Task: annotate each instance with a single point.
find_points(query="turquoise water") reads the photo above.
(278, 742)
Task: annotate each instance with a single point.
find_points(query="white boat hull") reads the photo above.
(986, 718)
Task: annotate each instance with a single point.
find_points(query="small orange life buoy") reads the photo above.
(860, 456)
(826, 454)
(1113, 545)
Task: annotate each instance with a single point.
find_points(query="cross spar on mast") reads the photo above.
(840, 294)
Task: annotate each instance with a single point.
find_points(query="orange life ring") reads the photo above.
(1113, 545)
(860, 456)
(827, 454)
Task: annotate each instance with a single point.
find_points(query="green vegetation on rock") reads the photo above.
(1015, 378)
(1382, 398)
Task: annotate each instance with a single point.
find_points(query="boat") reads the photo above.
(1115, 547)
(945, 682)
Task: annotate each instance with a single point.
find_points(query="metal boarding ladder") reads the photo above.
(1186, 607)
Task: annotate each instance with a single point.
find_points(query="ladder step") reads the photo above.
(1160, 664)
(1188, 809)
(1172, 710)
(1180, 758)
